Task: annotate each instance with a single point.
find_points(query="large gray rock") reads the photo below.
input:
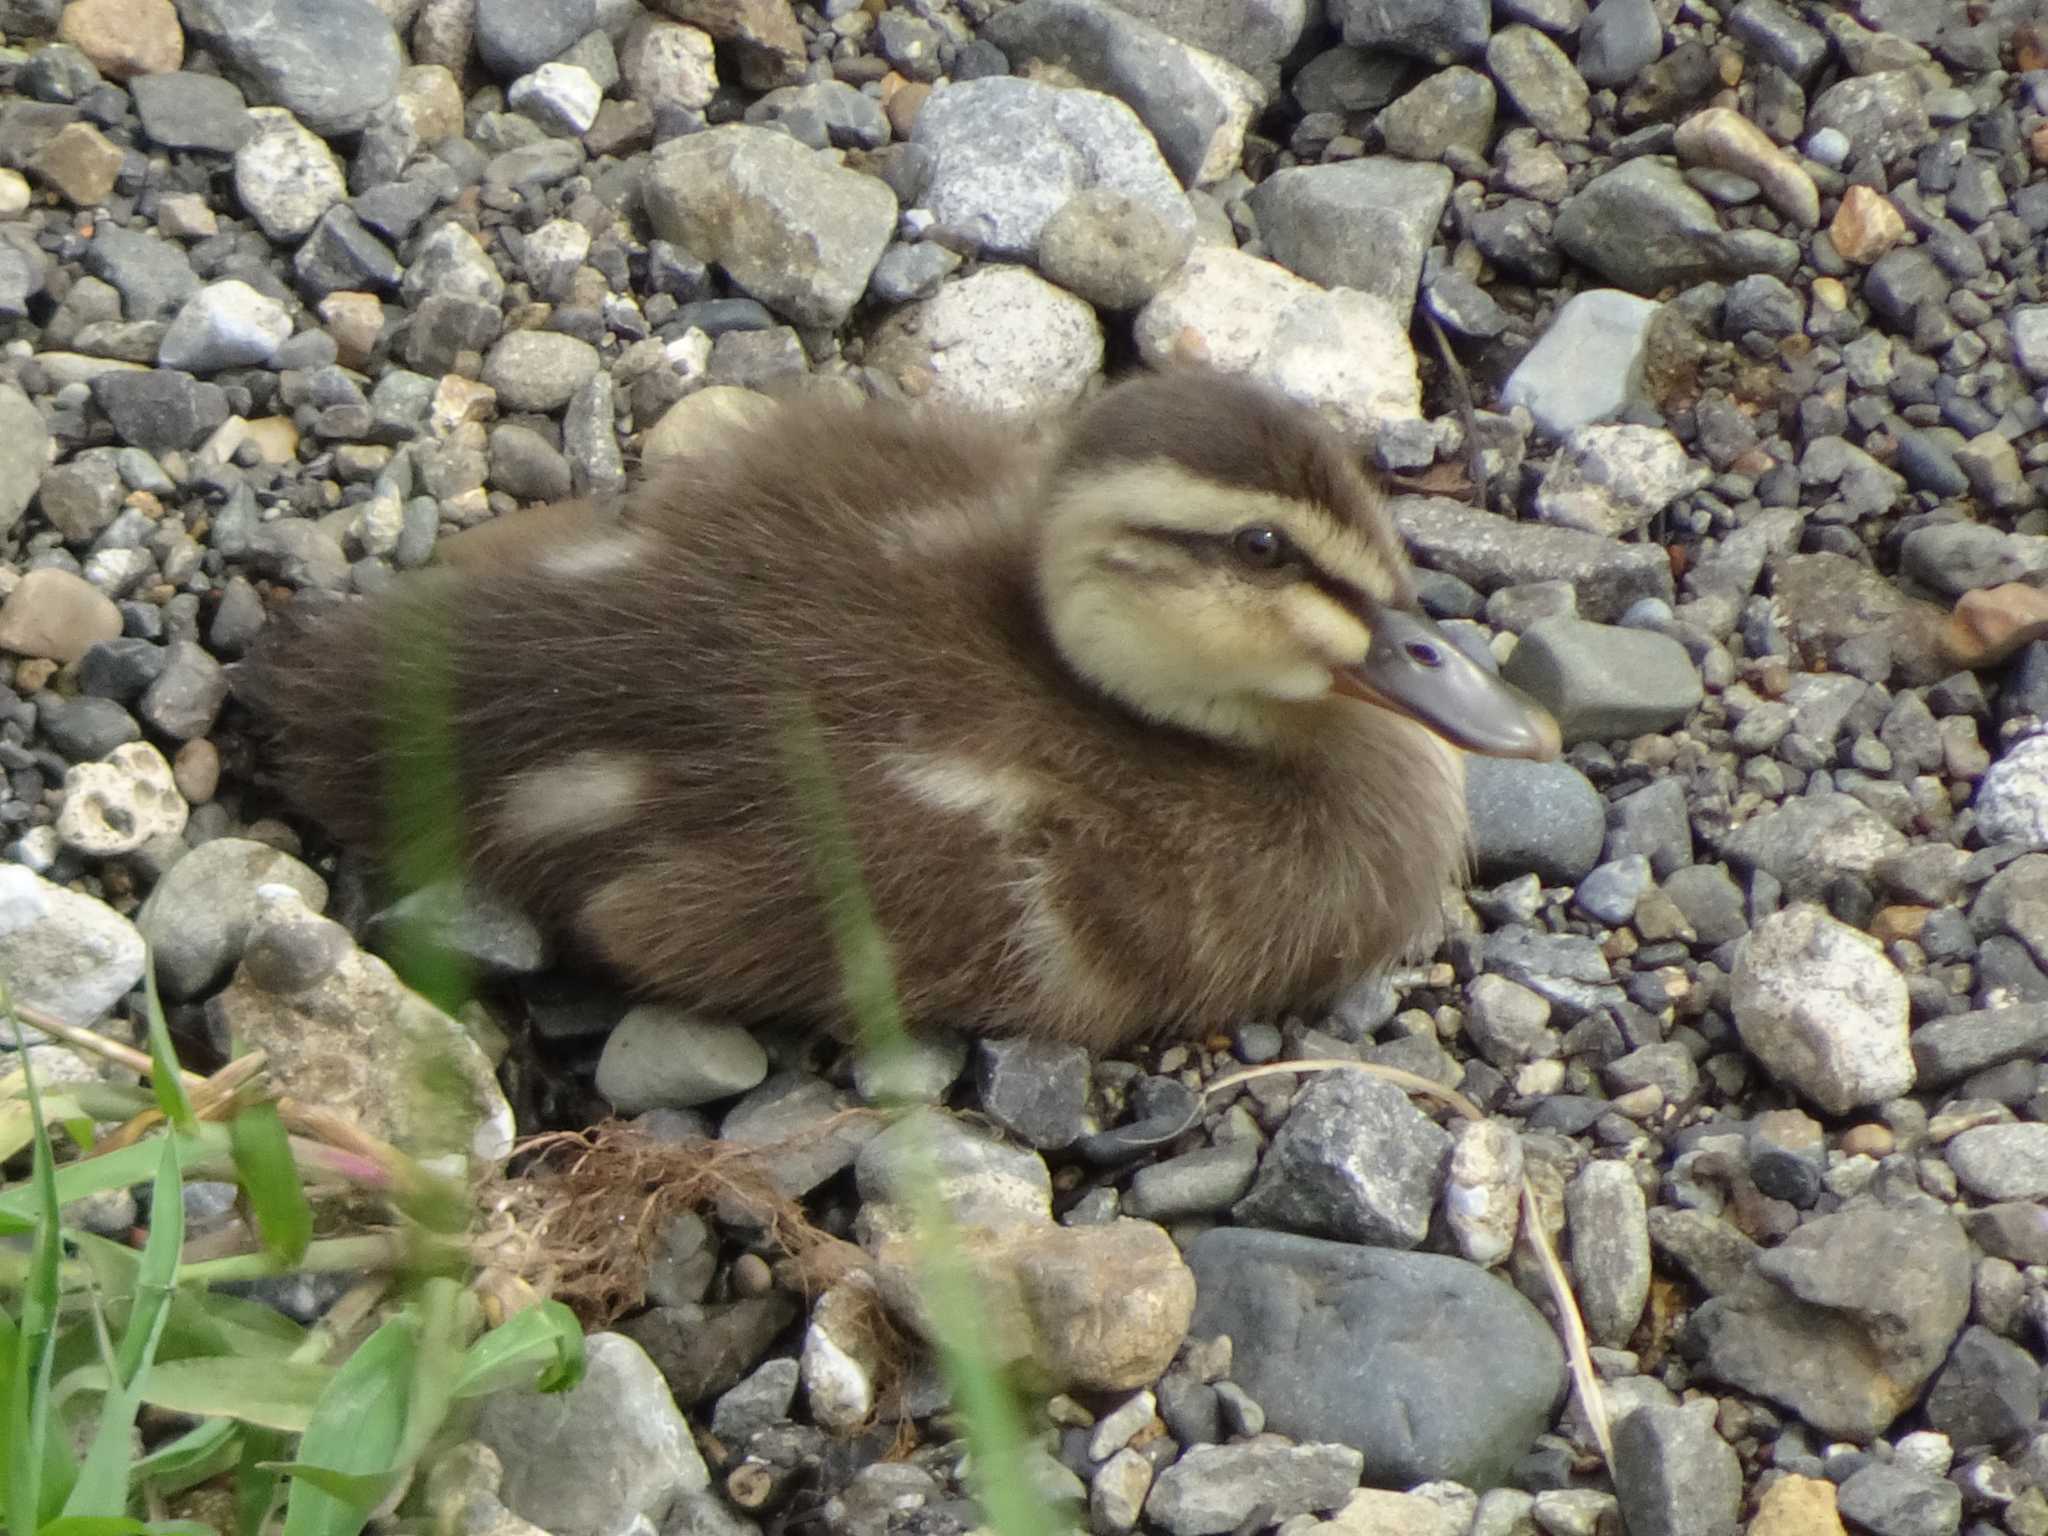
(1588, 365)
(1255, 35)
(1642, 226)
(1431, 1366)
(287, 53)
(1196, 105)
(589, 1461)
(1353, 1160)
(1437, 31)
(1008, 154)
(1541, 818)
(197, 919)
(795, 230)
(1357, 224)
(1809, 840)
(1845, 1320)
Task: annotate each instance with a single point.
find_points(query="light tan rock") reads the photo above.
(80, 164)
(1726, 139)
(1866, 225)
(125, 38)
(57, 615)
(1797, 1506)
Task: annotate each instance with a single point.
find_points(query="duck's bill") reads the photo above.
(1417, 670)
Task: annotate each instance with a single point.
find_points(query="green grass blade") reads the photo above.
(256, 1479)
(356, 1429)
(263, 1163)
(422, 794)
(102, 1486)
(165, 1077)
(994, 1422)
(39, 1467)
(200, 1155)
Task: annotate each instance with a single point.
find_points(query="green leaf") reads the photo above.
(276, 1394)
(541, 1348)
(39, 1465)
(102, 1486)
(202, 1452)
(94, 1525)
(359, 1490)
(356, 1429)
(164, 1075)
(263, 1162)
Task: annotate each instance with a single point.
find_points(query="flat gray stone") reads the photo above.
(1489, 551)
(1540, 818)
(1588, 365)
(1603, 682)
(1433, 1367)
(1363, 224)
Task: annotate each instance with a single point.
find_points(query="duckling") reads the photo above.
(1136, 721)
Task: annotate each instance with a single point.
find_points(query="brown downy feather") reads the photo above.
(1041, 859)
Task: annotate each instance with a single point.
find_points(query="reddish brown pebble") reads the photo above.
(1991, 623)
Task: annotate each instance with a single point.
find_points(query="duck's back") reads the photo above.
(619, 707)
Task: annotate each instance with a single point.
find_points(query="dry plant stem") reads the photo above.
(1468, 418)
(1578, 1353)
(339, 1147)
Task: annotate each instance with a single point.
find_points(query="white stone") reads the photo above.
(120, 802)
(1823, 1009)
(2012, 800)
(286, 176)
(1588, 365)
(838, 1361)
(562, 98)
(2028, 324)
(1483, 1190)
(225, 325)
(1342, 352)
(63, 952)
(1612, 479)
(665, 61)
(1004, 340)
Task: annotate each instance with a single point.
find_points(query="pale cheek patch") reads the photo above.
(589, 792)
(1324, 629)
(595, 557)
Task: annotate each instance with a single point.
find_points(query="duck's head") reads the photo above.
(1213, 557)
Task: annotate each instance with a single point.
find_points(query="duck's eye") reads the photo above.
(1424, 654)
(1260, 547)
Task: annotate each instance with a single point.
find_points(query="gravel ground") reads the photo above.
(1740, 469)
